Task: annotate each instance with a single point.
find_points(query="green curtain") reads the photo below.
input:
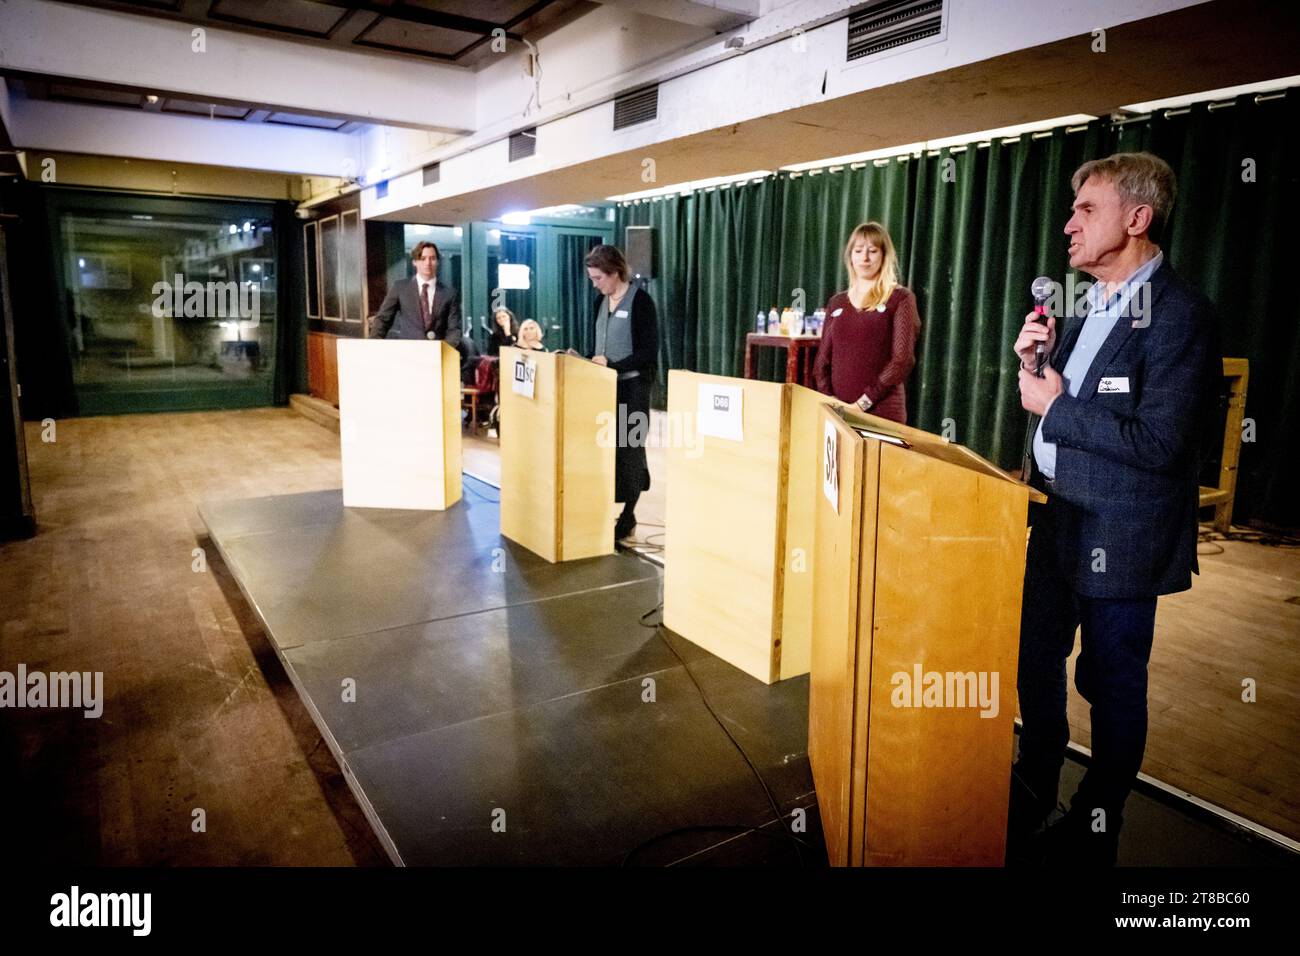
(1228, 237)
(576, 294)
(973, 227)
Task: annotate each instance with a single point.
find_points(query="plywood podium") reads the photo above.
(920, 559)
(738, 549)
(399, 423)
(559, 428)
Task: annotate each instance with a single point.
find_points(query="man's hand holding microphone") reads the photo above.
(1039, 382)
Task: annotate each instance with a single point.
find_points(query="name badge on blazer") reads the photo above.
(621, 314)
(1109, 386)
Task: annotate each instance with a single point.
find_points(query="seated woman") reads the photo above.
(868, 345)
(530, 336)
(504, 326)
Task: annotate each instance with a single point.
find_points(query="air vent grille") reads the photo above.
(890, 24)
(523, 144)
(639, 107)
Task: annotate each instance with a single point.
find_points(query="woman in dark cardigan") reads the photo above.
(627, 341)
(505, 331)
(868, 345)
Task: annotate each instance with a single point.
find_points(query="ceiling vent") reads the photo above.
(523, 144)
(432, 173)
(890, 24)
(639, 107)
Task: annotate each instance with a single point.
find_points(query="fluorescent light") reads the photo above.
(1002, 132)
(1006, 132)
(856, 157)
(692, 186)
(457, 230)
(1225, 93)
(516, 219)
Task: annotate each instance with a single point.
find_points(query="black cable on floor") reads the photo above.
(739, 830)
(771, 800)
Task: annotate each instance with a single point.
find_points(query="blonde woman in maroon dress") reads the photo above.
(868, 345)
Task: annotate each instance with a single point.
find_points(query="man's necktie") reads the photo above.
(427, 302)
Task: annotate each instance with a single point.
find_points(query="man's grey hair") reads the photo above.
(1142, 179)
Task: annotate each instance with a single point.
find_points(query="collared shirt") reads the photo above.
(1102, 315)
(427, 288)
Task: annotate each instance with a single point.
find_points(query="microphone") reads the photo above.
(431, 336)
(1041, 289)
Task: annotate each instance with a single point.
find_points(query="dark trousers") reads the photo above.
(1110, 673)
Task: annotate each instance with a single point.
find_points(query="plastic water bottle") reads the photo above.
(760, 323)
(773, 322)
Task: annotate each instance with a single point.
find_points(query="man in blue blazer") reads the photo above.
(1122, 404)
(421, 305)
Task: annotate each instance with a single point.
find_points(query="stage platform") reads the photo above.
(488, 680)
(489, 708)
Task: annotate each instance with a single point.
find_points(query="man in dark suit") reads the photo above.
(421, 305)
(1122, 403)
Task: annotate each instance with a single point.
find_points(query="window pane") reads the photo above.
(309, 267)
(350, 267)
(160, 301)
(329, 268)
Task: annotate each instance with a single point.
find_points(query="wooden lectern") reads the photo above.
(920, 561)
(557, 453)
(399, 423)
(738, 555)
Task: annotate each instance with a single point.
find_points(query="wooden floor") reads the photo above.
(199, 713)
(1240, 620)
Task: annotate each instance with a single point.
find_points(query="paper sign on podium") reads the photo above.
(399, 423)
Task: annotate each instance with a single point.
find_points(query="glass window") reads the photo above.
(331, 304)
(512, 269)
(352, 256)
(158, 301)
(310, 270)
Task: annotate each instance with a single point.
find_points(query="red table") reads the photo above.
(797, 347)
